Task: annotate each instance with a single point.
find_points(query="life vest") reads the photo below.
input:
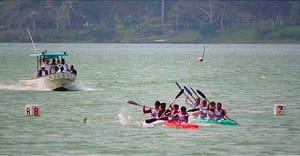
(60, 68)
(219, 114)
(154, 112)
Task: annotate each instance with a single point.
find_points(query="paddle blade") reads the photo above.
(132, 102)
(181, 92)
(178, 85)
(193, 110)
(187, 90)
(194, 92)
(200, 93)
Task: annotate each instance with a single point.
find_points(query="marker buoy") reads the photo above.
(200, 59)
(32, 110)
(279, 109)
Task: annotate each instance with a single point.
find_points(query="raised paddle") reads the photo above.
(172, 102)
(201, 94)
(135, 103)
(193, 110)
(194, 92)
(187, 90)
(184, 93)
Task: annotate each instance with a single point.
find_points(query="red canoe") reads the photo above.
(181, 125)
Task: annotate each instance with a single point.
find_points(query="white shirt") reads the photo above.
(47, 67)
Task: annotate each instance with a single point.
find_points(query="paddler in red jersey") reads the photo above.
(219, 112)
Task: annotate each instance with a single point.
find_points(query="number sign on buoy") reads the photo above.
(279, 109)
(32, 110)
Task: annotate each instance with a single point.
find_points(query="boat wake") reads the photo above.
(17, 86)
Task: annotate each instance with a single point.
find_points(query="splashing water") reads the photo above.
(17, 86)
(124, 118)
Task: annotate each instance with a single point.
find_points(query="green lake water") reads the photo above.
(247, 78)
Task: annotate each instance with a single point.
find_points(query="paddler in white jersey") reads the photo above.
(153, 111)
(203, 109)
(174, 112)
(220, 113)
(196, 107)
(183, 116)
(211, 110)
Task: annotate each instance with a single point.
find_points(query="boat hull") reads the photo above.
(183, 125)
(56, 82)
(154, 123)
(222, 122)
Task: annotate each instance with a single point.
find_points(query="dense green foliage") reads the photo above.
(150, 21)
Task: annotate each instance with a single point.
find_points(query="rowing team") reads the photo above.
(204, 110)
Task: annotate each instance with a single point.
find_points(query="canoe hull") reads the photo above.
(183, 125)
(222, 122)
(154, 123)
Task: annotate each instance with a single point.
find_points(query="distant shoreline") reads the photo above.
(238, 35)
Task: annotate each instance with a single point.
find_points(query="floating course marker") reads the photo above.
(32, 110)
(279, 109)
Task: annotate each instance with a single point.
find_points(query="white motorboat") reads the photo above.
(58, 81)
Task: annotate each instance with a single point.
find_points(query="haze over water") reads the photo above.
(247, 78)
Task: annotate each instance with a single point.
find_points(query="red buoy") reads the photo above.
(200, 59)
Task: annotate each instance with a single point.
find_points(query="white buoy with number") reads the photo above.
(279, 109)
(32, 110)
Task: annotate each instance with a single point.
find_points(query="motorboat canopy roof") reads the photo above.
(50, 55)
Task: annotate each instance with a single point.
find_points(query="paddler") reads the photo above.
(174, 112)
(163, 113)
(183, 116)
(153, 112)
(220, 113)
(211, 110)
(196, 107)
(203, 109)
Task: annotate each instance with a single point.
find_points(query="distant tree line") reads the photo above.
(112, 19)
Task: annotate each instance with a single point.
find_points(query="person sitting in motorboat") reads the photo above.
(153, 112)
(53, 66)
(183, 116)
(219, 112)
(72, 70)
(59, 67)
(47, 65)
(65, 66)
(42, 72)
